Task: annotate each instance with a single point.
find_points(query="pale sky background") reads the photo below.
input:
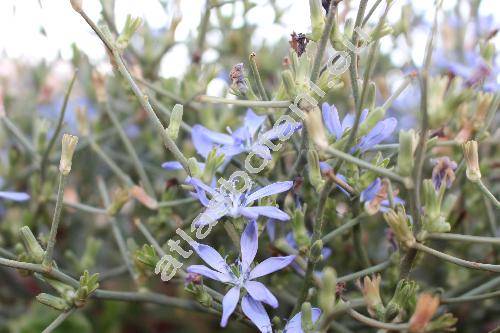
(21, 22)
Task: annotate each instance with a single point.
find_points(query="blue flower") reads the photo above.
(225, 202)
(241, 276)
(332, 120)
(295, 324)
(248, 138)
(380, 132)
(14, 196)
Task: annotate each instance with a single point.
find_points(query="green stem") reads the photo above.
(47, 259)
(375, 323)
(20, 136)
(370, 270)
(487, 193)
(343, 228)
(464, 238)
(120, 241)
(59, 320)
(317, 231)
(83, 207)
(323, 41)
(130, 149)
(457, 261)
(381, 171)
(370, 12)
(111, 164)
(46, 153)
(474, 298)
(242, 102)
(484, 287)
(388, 102)
(177, 202)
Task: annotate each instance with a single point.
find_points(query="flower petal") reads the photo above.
(209, 273)
(331, 120)
(295, 324)
(174, 165)
(371, 191)
(255, 311)
(229, 303)
(14, 196)
(253, 122)
(204, 139)
(259, 292)
(269, 190)
(377, 134)
(268, 211)
(249, 244)
(211, 257)
(270, 265)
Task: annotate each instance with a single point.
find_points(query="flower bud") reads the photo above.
(140, 195)
(131, 26)
(31, 245)
(289, 83)
(398, 221)
(299, 229)
(327, 293)
(444, 323)
(99, 84)
(52, 301)
(77, 5)
(316, 250)
(306, 317)
(314, 170)
(427, 306)
(82, 121)
(472, 161)
(317, 19)
(404, 299)
(203, 296)
(433, 221)
(175, 121)
(371, 294)
(147, 255)
(69, 143)
(315, 129)
(213, 162)
(194, 167)
(370, 99)
(407, 145)
(120, 199)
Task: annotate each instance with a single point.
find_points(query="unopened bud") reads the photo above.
(317, 19)
(299, 229)
(99, 84)
(131, 26)
(316, 250)
(120, 199)
(398, 221)
(52, 301)
(371, 294)
(175, 122)
(472, 161)
(404, 299)
(69, 143)
(289, 83)
(306, 317)
(77, 5)
(31, 245)
(427, 306)
(314, 170)
(194, 167)
(327, 293)
(407, 146)
(82, 121)
(315, 129)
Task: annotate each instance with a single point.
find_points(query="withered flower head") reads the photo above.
(299, 43)
(371, 294)
(427, 306)
(443, 172)
(237, 77)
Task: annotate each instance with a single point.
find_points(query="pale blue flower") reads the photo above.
(223, 202)
(242, 276)
(248, 138)
(11, 195)
(371, 191)
(295, 324)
